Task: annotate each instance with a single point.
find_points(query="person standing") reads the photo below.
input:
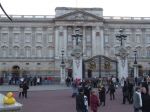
(125, 92)
(137, 100)
(80, 104)
(145, 100)
(20, 90)
(94, 101)
(111, 90)
(25, 89)
(102, 95)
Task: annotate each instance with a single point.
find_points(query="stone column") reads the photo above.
(62, 74)
(93, 42)
(77, 68)
(84, 41)
(136, 70)
(102, 42)
(56, 42)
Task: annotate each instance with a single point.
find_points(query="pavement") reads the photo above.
(34, 88)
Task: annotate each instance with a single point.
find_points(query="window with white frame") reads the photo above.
(4, 37)
(50, 52)
(39, 52)
(16, 51)
(16, 37)
(50, 37)
(137, 38)
(148, 52)
(28, 51)
(38, 37)
(27, 37)
(128, 38)
(147, 38)
(4, 51)
(88, 37)
(106, 38)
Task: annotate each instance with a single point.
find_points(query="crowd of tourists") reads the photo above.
(90, 94)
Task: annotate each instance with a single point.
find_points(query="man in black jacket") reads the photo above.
(145, 100)
(80, 107)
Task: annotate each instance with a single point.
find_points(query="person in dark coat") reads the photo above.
(145, 100)
(145, 84)
(80, 106)
(102, 95)
(94, 101)
(125, 92)
(111, 90)
(25, 89)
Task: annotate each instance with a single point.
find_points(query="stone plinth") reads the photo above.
(17, 107)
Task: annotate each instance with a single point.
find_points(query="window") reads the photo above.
(148, 52)
(50, 52)
(28, 37)
(27, 51)
(137, 38)
(128, 38)
(16, 37)
(88, 38)
(39, 37)
(4, 51)
(16, 51)
(50, 38)
(4, 37)
(106, 38)
(39, 52)
(147, 38)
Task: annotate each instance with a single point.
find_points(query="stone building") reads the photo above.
(34, 43)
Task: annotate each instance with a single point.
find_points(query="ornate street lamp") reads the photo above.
(62, 65)
(77, 36)
(121, 37)
(135, 56)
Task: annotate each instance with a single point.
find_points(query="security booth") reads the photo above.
(99, 66)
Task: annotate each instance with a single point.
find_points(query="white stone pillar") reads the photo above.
(77, 68)
(62, 74)
(102, 42)
(122, 68)
(84, 42)
(65, 41)
(56, 42)
(93, 42)
(136, 70)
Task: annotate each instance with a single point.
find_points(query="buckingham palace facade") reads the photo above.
(34, 43)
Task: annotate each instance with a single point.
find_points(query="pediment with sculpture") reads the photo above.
(80, 16)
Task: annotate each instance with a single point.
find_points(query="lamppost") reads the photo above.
(77, 56)
(77, 36)
(62, 65)
(121, 37)
(135, 65)
(122, 56)
(135, 54)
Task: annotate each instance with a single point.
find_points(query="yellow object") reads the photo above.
(9, 99)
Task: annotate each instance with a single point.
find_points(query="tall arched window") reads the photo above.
(27, 51)
(50, 52)
(139, 51)
(16, 51)
(4, 51)
(39, 51)
(148, 52)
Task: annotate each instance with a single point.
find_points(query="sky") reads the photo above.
(130, 8)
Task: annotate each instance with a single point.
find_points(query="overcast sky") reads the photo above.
(134, 8)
